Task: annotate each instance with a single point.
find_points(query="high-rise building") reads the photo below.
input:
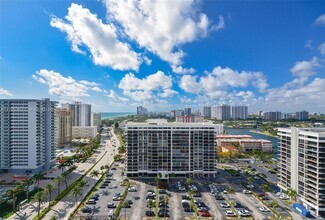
(207, 111)
(189, 119)
(188, 111)
(302, 116)
(183, 149)
(81, 113)
(301, 166)
(272, 116)
(64, 125)
(28, 138)
(96, 119)
(142, 110)
(215, 112)
(239, 112)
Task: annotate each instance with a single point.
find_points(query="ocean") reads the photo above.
(110, 115)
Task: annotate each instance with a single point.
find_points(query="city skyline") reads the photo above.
(213, 53)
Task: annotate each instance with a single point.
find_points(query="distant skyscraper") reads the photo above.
(187, 111)
(207, 111)
(64, 125)
(142, 110)
(28, 138)
(96, 119)
(239, 112)
(302, 116)
(272, 116)
(215, 112)
(224, 112)
(81, 113)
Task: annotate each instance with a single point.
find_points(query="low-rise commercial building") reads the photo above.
(245, 141)
(180, 149)
(84, 131)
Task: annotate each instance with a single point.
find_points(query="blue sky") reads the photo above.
(269, 55)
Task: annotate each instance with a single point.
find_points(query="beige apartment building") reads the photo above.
(64, 124)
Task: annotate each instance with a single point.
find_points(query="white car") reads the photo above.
(284, 197)
(250, 186)
(230, 213)
(186, 201)
(132, 189)
(244, 213)
(245, 191)
(264, 209)
(224, 205)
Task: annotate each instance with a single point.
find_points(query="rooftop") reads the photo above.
(165, 123)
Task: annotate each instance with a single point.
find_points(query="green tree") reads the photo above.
(39, 196)
(230, 190)
(27, 183)
(49, 190)
(12, 193)
(38, 177)
(265, 188)
(58, 180)
(188, 181)
(291, 193)
(158, 179)
(273, 205)
(66, 177)
(94, 173)
(250, 180)
(75, 192)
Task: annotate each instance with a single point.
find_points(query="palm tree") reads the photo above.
(188, 181)
(125, 204)
(66, 177)
(58, 180)
(76, 191)
(250, 180)
(82, 184)
(12, 193)
(39, 196)
(230, 190)
(266, 188)
(50, 189)
(273, 204)
(94, 173)
(158, 179)
(291, 193)
(166, 199)
(37, 177)
(61, 166)
(27, 183)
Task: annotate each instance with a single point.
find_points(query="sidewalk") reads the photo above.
(30, 210)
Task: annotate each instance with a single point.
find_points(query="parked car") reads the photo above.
(264, 209)
(230, 213)
(126, 205)
(224, 205)
(132, 189)
(129, 201)
(163, 214)
(244, 213)
(204, 214)
(162, 191)
(86, 210)
(111, 205)
(150, 213)
(245, 191)
(91, 202)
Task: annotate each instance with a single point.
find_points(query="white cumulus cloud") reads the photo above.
(64, 86)
(4, 92)
(111, 94)
(320, 20)
(162, 26)
(84, 29)
(322, 48)
(305, 68)
(144, 89)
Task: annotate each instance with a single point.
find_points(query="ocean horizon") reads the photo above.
(110, 115)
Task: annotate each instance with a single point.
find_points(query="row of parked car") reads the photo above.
(163, 208)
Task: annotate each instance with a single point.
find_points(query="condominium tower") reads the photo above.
(301, 166)
(302, 116)
(81, 113)
(64, 125)
(142, 110)
(272, 116)
(239, 112)
(27, 135)
(180, 149)
(96, 119)
(207, 111)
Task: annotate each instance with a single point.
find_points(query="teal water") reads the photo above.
(110, 115)
(245, 131)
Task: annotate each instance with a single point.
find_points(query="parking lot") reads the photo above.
(208, 202)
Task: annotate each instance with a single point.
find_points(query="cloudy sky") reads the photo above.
(165, 54)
